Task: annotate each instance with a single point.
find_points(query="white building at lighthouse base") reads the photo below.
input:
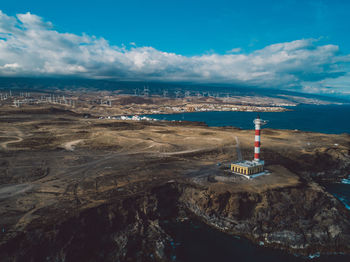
(248, 169)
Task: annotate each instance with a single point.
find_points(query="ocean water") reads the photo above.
(330, 119)
(341, 191)
(195, 241)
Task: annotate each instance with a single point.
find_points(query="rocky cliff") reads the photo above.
(121, 230)
(302, 219)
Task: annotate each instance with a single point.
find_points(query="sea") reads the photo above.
(330, 119)
(195, 241)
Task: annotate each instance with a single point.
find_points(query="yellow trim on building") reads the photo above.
(247, 170)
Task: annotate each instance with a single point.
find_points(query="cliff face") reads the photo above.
(302, 219)
(126, 230)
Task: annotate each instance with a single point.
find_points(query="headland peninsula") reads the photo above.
(76, 187)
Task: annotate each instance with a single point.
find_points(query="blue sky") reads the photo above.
(195, 27)
(179, 35)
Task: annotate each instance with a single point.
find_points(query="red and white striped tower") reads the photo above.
(258, 123)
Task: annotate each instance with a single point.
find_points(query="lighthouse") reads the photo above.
(255, 167)
(258, 123)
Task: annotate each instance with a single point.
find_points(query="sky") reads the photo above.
(300, 45)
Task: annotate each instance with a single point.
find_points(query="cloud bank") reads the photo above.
(30, 46)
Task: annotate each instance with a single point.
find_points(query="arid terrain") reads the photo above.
(78, 188)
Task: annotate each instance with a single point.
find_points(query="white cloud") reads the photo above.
(30, 21)
(15, 65)
(29, 46)
(234, 50)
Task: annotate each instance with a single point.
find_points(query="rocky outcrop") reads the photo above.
(322, 165)
(303, 219)
(124, 230)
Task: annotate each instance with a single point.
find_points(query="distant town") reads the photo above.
(116, 103)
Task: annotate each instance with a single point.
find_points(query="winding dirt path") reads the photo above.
(7, 191)
(16, 138)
